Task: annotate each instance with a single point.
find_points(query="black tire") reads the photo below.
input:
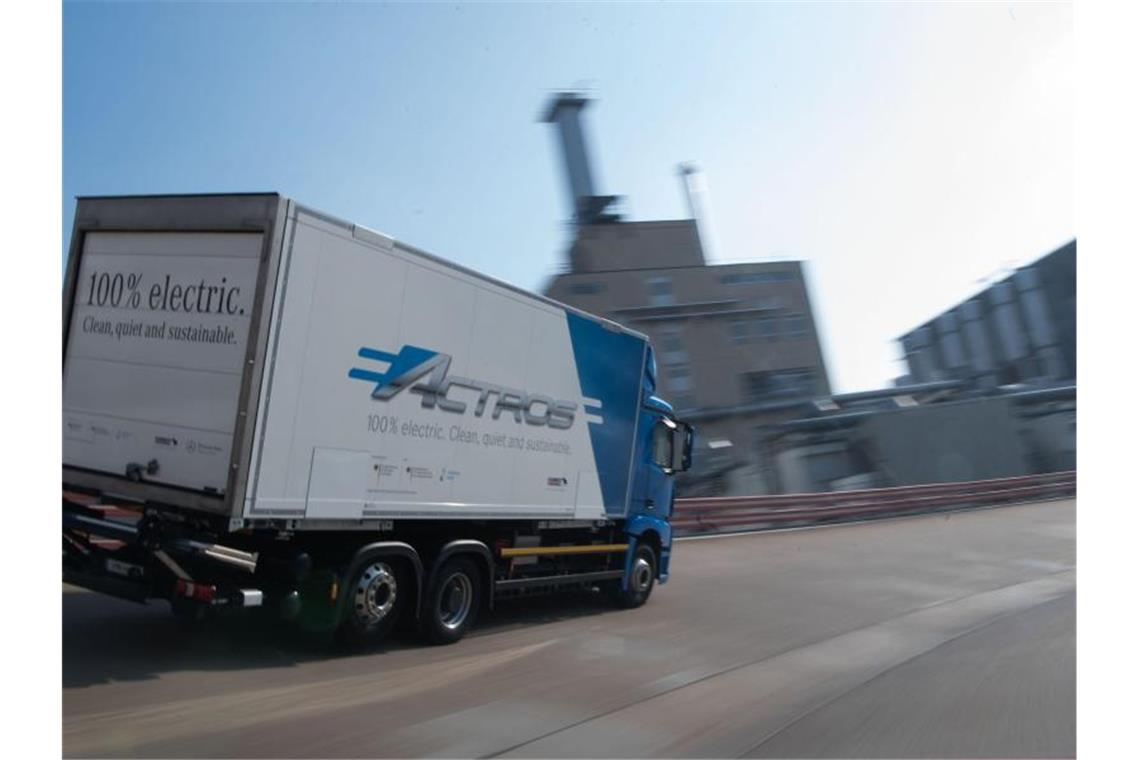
(453, 600)
(374, 599)
(642, 576)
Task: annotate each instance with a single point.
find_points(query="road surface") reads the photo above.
(948, 635)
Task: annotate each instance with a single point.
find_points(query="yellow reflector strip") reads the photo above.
(525, 551)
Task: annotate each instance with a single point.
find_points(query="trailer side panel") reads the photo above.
(403, 387)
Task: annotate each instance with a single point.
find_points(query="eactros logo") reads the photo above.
(414, 363)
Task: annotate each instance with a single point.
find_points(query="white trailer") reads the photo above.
(299, 411)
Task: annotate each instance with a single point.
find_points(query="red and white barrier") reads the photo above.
(729, 513)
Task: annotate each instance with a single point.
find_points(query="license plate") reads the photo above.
(125, 569)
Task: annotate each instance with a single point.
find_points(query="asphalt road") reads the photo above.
(942, 636)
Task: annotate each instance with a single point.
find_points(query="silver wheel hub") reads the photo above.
(455, 601)
(642, 574)
(375, 593)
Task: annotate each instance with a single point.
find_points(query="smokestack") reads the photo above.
(564, 111)
(692, 184)
(689, 174)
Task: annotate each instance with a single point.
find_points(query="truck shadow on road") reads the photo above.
(107, 640)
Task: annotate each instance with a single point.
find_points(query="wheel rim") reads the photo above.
(455, 601)
(375, 594)
(642, 574)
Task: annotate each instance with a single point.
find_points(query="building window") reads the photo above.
(751, 278)
(586, 288)
(775, 384)
(738, 331)
(759, 440)
(678, 379)
(748, 329)
(754, 385)
(671, 339)
(671, 348)
(660, 291)
(795, 326)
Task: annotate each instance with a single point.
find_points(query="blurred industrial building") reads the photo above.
(1022, 329)
(990, 392)
(736, 344)
(991, 383)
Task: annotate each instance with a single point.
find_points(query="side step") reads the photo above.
(558, 580)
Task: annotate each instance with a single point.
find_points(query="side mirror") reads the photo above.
(682, 458)
(664, 448)
(673, 445)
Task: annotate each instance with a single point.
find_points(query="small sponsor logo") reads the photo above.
(419, 473)
(195, 446)
(163, 440)
(557, 482)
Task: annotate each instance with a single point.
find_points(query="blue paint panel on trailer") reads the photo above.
(610, 369)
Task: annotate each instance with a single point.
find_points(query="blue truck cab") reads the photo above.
(664, 448)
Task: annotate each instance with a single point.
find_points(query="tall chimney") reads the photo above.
(688, 174)
(564, 111)
(692, 184)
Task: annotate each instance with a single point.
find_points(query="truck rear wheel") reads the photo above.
(639, 584)
(375, 599)
(452, 601)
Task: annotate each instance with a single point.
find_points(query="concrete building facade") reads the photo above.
(932, 433)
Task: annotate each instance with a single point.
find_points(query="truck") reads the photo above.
(265, 406)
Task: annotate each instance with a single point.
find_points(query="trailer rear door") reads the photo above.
(154, 356)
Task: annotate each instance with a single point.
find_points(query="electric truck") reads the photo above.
(266, 406)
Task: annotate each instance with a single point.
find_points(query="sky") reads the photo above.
(907, 152)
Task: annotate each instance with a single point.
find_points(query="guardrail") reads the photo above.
(739, 513)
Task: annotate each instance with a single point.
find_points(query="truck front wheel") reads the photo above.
(452, 602)
(639, 584)
(375, 599)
